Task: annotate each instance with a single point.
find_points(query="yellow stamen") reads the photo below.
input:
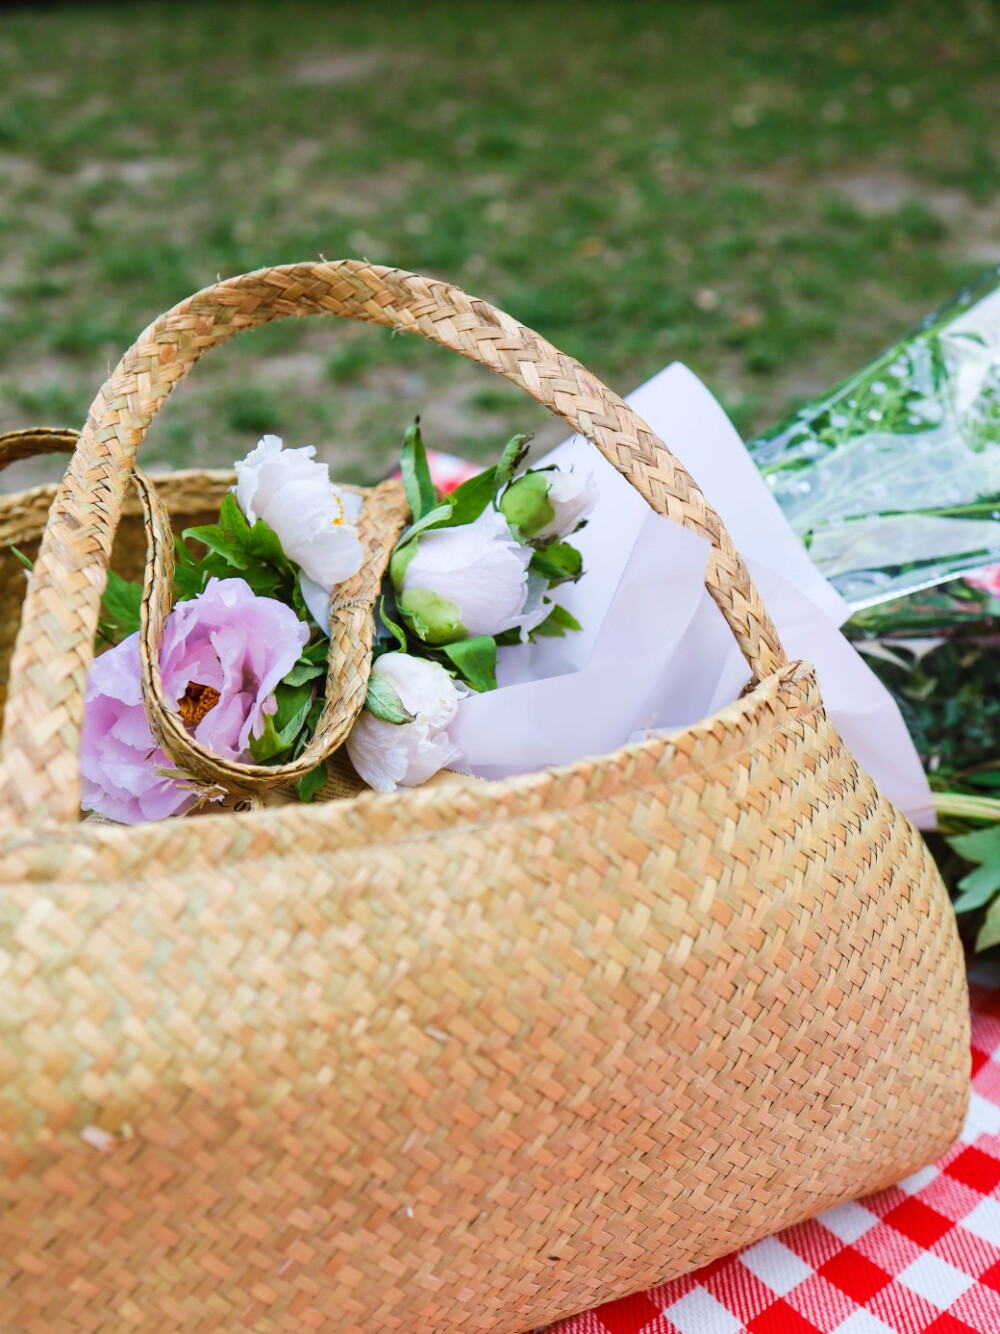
(196, 701)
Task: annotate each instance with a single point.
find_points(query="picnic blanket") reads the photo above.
(920, 1258)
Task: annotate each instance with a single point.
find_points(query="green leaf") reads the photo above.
(476, 660)
(28, 564)
(309, 784)
(559, 563)
(387, 619)
(556, 624)
(982, 845)
(303, 671)
(978, 887)
(215, 537)
(463, 506)
(264, 543)
(989, 932)
(317, 651)
(564, 618)
(268, 746)
(514, 453)
(190, 575)
(281, 729)
(417, 483)
(232, 520)
(438, 517)
(382, 702)
(245, 548)
(470, 499)
(120, 605)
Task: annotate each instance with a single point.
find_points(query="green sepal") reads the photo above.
(526, 506)
(514, 453)
(559, 563)
(476, 660)
(382, 702)
(400, 560)
(432, 618)
(417, 483)
(309, 784)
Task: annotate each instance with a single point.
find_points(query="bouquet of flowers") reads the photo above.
(892, 481)
(245, 647)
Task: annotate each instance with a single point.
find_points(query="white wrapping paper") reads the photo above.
(655, 653)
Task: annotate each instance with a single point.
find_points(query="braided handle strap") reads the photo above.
(39, 780)
(36, 440)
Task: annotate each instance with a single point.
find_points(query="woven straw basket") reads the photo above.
(469, 1057)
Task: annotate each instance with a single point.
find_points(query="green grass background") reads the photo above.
(770, 192)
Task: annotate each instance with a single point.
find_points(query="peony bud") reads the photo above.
(550, 504)
(390, 755)
(457, 582)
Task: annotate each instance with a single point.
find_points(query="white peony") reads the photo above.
(465, 581)
(572, 495)
(551, 504)
(313, 519)
(391, 755)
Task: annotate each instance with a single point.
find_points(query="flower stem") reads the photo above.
(959, 806)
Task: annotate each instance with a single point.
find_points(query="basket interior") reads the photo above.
(22, 520)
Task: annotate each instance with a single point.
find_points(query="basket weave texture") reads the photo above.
(462, 1058)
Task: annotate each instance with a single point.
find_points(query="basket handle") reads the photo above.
(39, 780)
(351, 627)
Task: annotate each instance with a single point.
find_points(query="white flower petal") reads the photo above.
(572, 495)
(479, 567)
(332, 556)
(317, 599)
(535, 609)
(313, 519)
(379, 753)
(424, 688)
(391, 755)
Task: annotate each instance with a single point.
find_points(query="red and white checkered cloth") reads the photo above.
(920, 1258)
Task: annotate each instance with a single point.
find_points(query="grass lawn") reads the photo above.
(770, 192)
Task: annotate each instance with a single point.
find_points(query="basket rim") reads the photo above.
(393, 819)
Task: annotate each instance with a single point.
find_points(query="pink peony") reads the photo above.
(222, 656)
